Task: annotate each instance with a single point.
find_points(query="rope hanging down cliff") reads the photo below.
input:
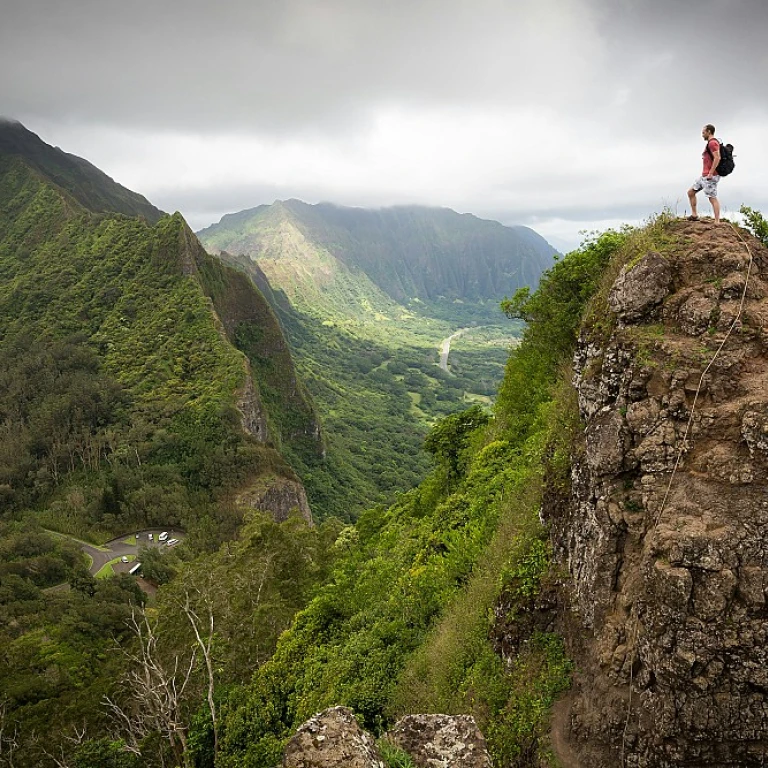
(684, 447)
(736, 321)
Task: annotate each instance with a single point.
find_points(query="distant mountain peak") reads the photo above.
(407, 251)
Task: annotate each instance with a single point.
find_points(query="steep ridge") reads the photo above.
(186, 361)
(409, 252)
(663, 533)
(91, 187)
(310, 272)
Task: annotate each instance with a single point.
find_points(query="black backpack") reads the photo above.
(726, 164)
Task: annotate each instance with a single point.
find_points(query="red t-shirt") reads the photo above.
(714, 146)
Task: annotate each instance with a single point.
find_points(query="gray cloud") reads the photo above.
(367, 102)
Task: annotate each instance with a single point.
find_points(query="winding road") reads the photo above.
(445, 348)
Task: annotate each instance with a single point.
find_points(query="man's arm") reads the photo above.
(715, 162)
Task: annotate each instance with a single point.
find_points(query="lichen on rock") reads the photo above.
(441, 741)
(332, 739)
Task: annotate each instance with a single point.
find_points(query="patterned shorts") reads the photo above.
(708, 185)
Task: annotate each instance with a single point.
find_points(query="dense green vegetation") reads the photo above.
(63, 652)
(117, 389)
(403, 611)
(55, 645)
(365, 298)
(407, 621)
(118, 409)
(371, 366)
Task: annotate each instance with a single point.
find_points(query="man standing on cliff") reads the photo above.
(709, 178)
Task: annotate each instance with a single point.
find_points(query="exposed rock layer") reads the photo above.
(670, 573)
(279, 496)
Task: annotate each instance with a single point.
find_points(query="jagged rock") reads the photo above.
(697, 313)
(754, 429)
(441, 741)
(641, 287)
(605, 442)
(278, 496)
(643, 415)
(669, 573)
(332, 739)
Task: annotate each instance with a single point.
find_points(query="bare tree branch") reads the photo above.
(9, 736)
(205, 649)
(155, 692)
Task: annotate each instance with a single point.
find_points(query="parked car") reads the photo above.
(172, 542)
(124, 559)
(163, 536)
(151, 536)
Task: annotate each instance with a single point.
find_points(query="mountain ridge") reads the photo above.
(86, 183)
(409, 252)
(184, 340)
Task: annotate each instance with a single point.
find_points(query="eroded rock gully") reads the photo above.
(668, 598)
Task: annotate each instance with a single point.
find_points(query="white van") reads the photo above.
(151, 536)
(163, 536)
(172, 542)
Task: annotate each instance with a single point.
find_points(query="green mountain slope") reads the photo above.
(142, 381)
(409, 252)
(91, 187)
(445, 602)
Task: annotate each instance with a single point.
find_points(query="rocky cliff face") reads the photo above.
(279, 496)
(665, 529)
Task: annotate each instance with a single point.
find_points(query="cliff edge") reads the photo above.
(664, 529)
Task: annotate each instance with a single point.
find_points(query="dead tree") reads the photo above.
(9, 736)
(206, 650)
(155, 691)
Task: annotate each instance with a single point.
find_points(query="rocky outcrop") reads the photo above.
(640, 287)
(332, 739)
(278, 496)
(252, 416)
(441, 741)
(665, 529)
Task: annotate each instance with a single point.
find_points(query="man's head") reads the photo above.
(708, 131)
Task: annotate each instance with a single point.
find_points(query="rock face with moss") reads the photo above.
(332, 739)
(664, 530)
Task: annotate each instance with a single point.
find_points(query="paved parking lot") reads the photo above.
(128, 545)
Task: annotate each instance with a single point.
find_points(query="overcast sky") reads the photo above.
(563, 115)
